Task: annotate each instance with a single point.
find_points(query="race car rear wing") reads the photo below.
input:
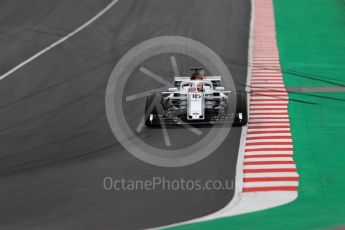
(181, 79)
(214, 79)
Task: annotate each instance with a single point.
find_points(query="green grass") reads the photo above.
(311, 41)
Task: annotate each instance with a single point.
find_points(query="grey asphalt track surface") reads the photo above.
(56, 146)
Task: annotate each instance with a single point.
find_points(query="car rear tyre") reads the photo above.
(152, 119)
(241, 116)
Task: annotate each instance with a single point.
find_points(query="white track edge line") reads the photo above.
(61, 40)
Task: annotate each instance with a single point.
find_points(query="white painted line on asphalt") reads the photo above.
(262, 116)
(258, 110)
(267, 81)
(263, 107)
(269, 92)
(268, 107)
(276, 108)
(254, 97)
(61, 40)
(268, 85)
(273, 79)
(277, 166)
(264, 126)
(268, 129)
(270, 102)
(267, 153)
(268, 159)
(269, 184)
(277, 120)
(271, 174)
(263, 75)
(268, 123)
(259, 119)
(264, 148)
(266, 69)
(270, 140)
(269, 134)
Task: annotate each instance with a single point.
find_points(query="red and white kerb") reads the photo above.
(268, 163)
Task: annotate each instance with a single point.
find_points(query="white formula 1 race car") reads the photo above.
(195, 100)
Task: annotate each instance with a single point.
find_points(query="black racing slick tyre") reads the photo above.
(241, 116)
(152, 104)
